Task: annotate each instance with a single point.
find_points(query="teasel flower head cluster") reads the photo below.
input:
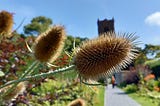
(77, 102)
(6, 23)
(19, 89)
(48, 45)
(105, 55)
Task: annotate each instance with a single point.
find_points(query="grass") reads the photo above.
(100, 97)
(141, 96)
(143, 100)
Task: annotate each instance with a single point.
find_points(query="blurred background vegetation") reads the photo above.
(142, 82)
(57, 90)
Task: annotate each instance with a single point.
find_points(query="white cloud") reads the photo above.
(153, 19)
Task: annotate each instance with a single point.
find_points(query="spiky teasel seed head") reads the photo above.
(77, 102)
(20, 88)
(105, 55)
(48, 46)
(6, 23)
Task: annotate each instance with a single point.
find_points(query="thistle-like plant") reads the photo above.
(77, 102)
(48, 46)
(6, 23)
(93, 60)
(105, 55)
(97, 58)
(19, 89)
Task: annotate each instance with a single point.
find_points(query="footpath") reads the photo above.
(116, 97)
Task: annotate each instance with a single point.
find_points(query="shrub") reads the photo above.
(123, 84)
(131, 88)
(155, 67)
(150, 84)
(157, 83)
(137, 74)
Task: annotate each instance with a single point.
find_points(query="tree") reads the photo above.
(38, 25)
(152, 50)
(70, 42)
(141, 57)
(147, 53)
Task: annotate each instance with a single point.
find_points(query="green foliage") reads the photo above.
(151, 49)
(122, 85)
(145, 100)
(38, 25)
(155, 66)
(131, 88)
(157, 84)
(148, 52)
(69, 43)
(150, 84)
(61, 93)
(100, 98)
(142, 57)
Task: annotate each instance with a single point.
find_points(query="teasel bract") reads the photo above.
(77, 102)
(105, 55)
(48, 45)
(6, 23)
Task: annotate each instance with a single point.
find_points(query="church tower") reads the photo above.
(105, 26)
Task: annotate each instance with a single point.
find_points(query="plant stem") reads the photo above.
(50, 73)
(28, 71)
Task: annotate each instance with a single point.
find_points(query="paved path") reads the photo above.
(116, 97)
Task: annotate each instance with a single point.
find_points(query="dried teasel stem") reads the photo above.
(17, 90)
(27, 72)
(50, 73)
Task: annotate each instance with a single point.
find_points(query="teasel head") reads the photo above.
(19, 89)
(105, 55)
(48, 46)
(77, 102)
(6, 23)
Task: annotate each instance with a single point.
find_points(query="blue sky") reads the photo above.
(80, 16)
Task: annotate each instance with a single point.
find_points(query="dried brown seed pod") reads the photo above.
(6, 23)
(105, 55)
(77, 102)
(48, 46)
(20, 88)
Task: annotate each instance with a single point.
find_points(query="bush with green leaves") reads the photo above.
(131, 88)
(152, 83)
(155, 66)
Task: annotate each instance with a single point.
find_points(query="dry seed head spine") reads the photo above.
(49, 45)
(104, 55)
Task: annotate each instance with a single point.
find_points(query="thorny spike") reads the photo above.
(30, 50)
(51, 65)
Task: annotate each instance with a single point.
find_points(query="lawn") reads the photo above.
(143, 96)
(143, 100)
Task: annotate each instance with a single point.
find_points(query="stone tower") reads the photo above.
(105, 26)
